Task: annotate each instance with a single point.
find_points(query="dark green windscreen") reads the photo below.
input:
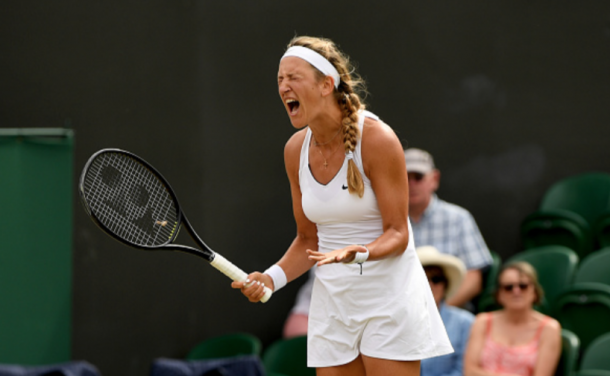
(35, 245)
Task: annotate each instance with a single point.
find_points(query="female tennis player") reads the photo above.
(372, 311)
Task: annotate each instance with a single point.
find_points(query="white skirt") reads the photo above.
(353, 313)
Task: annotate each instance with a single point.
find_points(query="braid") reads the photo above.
(348, 100)
(351, 135)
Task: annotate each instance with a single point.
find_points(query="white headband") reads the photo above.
(315, 59)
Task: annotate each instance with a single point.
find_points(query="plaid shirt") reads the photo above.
(452, 229)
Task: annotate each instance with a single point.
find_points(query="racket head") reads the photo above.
(130, 200)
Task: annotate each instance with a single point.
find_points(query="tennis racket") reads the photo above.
(130, 200)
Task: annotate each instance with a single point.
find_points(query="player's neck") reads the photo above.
(326, 128)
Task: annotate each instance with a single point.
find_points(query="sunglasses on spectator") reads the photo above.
(436, 279)
(415, 176)
(511, 286)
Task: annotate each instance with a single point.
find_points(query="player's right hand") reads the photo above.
(253, 287)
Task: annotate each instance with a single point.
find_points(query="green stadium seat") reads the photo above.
(584, 309)
(597, 355)
(486, 300)
(568, 210)
(595, 267)
(556, 266)
(488, 303)
(560, 227)
(225, 346)
(591, 372)
(490, 276)
(288, 356)
(570, 349)
(601, 230)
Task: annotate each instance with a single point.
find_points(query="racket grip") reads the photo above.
(227, 268)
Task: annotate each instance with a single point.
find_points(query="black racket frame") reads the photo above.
(205, 252)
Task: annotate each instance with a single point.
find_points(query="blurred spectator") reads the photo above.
(445, 274)
(296, 323)
(516, 340)
(449, 228)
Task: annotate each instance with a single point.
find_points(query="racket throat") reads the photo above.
(209, 257)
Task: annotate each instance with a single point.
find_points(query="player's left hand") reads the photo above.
(345, 255)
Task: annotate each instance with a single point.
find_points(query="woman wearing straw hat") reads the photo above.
(445, 274)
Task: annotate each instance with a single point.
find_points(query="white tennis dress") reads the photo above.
(386, 312)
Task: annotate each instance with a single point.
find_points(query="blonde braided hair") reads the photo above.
(347, 97)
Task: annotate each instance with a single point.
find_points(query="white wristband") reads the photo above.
(278, 276)
(360, 257)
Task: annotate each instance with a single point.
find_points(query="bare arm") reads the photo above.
(549, 349)
(475, 345)
(294, 262)
(384, 164)
(470, 287)
(472, 357)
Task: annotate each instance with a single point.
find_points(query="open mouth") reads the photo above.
(293, 106)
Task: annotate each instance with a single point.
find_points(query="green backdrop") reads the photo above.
(35, 245)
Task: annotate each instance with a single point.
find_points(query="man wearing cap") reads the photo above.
(449, 228)
(445, 274)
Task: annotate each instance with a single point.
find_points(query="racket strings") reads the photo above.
(130, 200)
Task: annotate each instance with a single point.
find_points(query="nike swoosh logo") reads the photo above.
(344, 187)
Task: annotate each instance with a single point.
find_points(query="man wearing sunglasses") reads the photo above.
(448, 227)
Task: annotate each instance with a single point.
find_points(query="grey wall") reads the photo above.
(509, 96)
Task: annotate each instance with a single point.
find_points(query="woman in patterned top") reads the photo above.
(516, 340)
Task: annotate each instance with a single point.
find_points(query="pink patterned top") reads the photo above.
(518, 360)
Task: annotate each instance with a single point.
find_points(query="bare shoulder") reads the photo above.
(376, 132)
(477, 329)
(481, 319)
(292, 150)
(295, 142)
(552, 326)
(380, 144)
(551, 329)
